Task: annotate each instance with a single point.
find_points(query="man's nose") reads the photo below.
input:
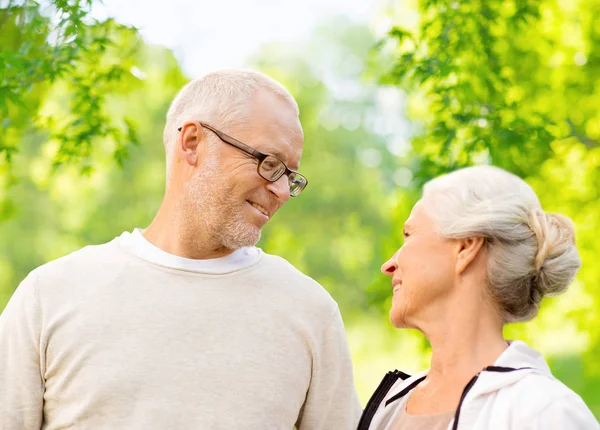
(281, 188)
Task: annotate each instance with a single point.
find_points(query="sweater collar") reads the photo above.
(137, 244)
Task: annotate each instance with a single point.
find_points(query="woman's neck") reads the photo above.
(465, 340)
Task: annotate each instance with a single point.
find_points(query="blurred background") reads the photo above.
(391, 93)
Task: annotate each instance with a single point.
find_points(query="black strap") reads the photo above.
(385, 385)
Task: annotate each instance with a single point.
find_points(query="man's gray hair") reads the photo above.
(219, 97)
(531, 253)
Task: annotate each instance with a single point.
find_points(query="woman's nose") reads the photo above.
(390, 266)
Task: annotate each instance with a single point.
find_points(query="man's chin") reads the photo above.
(251, 242)
(241, 239)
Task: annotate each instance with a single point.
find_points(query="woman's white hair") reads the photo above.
(531, 253)
(220, 97)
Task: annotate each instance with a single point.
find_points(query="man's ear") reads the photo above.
(190, 137)
(468, 250)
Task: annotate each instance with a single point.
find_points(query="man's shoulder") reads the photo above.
(296, 281)
(279, 263)
(85, 261)
(283, 267)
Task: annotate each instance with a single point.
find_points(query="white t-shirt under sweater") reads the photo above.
(126, 336)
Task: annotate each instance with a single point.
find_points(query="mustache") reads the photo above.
(269, 203)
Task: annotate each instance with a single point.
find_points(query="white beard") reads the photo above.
(220, 216)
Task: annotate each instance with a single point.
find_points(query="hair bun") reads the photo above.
(557, 260)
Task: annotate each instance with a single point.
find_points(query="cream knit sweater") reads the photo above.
(104, 339)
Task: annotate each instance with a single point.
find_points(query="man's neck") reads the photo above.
(172, 233)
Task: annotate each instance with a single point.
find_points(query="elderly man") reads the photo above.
(186, 324)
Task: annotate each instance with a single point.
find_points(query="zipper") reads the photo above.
(405, 391)
(468, 387)
(462, 399)
(385, 385)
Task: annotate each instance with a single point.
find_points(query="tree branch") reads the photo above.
(587, 141)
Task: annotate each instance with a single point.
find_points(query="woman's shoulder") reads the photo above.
(545, 389)
(542, 398)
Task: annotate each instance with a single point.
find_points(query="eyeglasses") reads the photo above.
(270, 167)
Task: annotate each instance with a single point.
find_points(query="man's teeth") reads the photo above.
(260, 208)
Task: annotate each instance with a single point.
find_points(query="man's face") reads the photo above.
(230, 198)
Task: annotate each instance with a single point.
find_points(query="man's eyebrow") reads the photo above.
(273, 151)
(277, 153)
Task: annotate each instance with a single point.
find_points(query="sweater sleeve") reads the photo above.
(21, 382)
(331, 401)
(568, 412)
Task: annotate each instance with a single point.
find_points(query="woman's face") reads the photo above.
(422, 271)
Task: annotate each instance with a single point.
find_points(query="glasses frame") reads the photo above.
(260, 156)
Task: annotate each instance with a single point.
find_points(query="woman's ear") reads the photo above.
(468, 250)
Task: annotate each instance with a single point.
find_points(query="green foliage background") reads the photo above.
(514, 83)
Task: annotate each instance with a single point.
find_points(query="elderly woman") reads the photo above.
(479, 252)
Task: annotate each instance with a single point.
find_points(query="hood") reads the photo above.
(518, 356)
(516, 363)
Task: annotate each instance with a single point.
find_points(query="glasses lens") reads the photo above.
(272, 168)
(297, 184)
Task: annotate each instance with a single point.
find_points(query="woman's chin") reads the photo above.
(398, 319)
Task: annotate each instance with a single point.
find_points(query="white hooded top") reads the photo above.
(518, 392)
